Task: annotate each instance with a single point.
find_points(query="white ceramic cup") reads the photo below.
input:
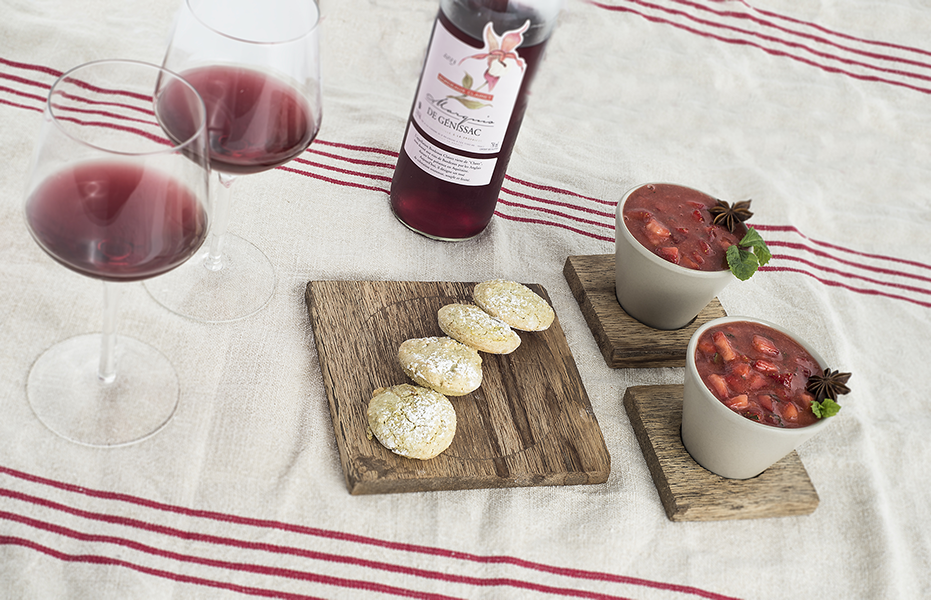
(656, 292)
(723, 441)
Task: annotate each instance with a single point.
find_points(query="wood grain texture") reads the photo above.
(691, 493)
(624, 341)
(530, 423)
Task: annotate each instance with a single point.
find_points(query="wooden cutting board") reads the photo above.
(529, 424)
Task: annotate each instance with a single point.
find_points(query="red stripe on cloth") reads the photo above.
(846, 275)
(354, 161)
(359, 539)
(333, 181)
(40, 99)
(105, 560)
(829, 31)
(771, 51)
(15, 105)
(224, 564)
(823, 254)
(555, 213)
(558, 191)
(30, 67)
(776, 40)
(25, 81)
(359, 148)
(553, 224)
(280, 549)
(828, 282)
(309, 163)
(808, 36)
(563, 204)
(793, 229)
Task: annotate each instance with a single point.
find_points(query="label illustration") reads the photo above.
(466, 98)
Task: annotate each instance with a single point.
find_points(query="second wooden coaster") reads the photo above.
(687, 490)
(624, 341)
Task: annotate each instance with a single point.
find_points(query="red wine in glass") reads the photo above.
(255, 121)
(116, 221)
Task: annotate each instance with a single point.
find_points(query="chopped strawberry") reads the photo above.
(756, 381)
(697, 258)
(706, 346)
(705, 246)
(696, 214)
(789, 412)
(717, 385)
(783, 378)
(739, 402)
(805, 399)
(723, 346)
(765, 367)
(765, 401)
(742, 369)
(656, 232)
(765, 346)
(736, 382)
(670, 253)
(696, 205)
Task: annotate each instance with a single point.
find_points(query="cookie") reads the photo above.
(515, 304)
(412, 421)
(442, 364)
(474, 327)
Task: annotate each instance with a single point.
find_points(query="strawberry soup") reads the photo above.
(757, 372)
(675, 223)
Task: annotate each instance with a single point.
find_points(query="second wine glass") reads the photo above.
(257, 67)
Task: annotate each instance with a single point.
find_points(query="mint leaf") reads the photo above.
(825, 408)
(743, 262)
(755, 241)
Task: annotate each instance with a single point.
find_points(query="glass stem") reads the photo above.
(106, 371)
(221, 220)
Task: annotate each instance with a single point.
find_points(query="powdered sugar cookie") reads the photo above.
(474, 327)
(515, 304)
(442, 364)
(412, 421)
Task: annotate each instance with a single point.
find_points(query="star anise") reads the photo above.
(830, 384)
(730, 216)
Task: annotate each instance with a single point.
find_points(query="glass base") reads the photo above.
(240, 288)
(66, 395)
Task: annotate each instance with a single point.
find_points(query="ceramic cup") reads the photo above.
(656, 292)
(723, 441)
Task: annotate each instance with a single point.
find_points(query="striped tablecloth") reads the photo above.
(819, 111)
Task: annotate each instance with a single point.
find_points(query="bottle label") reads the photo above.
(466, 95)
(447, 166)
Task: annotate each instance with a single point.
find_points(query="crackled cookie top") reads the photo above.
(474, 327)
(442, 364)
(515, 304)
(412, 421)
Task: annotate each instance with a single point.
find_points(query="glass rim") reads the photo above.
(199, 132)
(309, 31)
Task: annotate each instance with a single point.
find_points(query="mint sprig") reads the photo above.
(748, 255)
(825, 408)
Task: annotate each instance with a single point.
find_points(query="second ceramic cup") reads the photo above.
(656, 292)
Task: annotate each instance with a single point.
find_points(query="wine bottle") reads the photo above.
(470, 101)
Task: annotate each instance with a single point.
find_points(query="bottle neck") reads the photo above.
(471, 16)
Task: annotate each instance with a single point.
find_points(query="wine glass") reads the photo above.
(111, 197)
(257, 67)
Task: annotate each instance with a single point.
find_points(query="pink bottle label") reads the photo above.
(465, 101)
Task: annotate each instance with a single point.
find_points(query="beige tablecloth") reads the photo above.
(819, 111)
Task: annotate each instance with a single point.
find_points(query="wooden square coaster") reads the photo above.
(688, 491)
(624, 341)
